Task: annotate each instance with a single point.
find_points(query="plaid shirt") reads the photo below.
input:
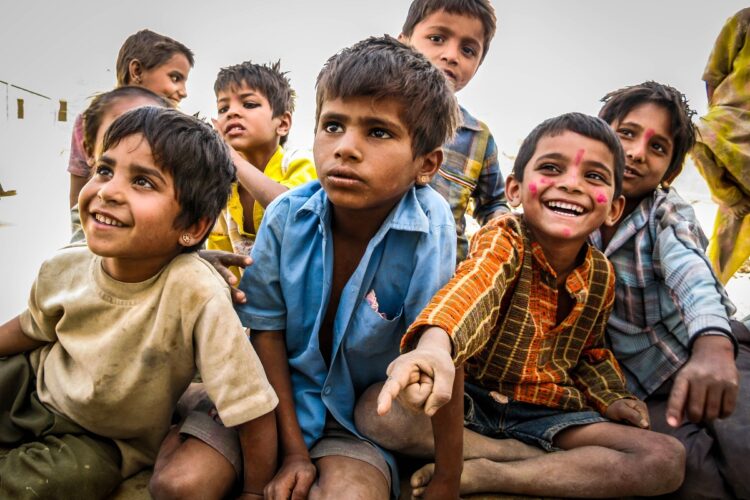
(500, 310)
(665, 295)
(470, 172)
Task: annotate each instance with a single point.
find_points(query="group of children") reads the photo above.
(583, 347)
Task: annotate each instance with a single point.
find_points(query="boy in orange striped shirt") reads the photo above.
(526, 313)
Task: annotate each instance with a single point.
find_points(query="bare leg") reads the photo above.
(410, 432)
(190, 469)
(602, 460)
(344, 477)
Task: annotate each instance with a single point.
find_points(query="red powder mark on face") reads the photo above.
(566, 232)
(649, 134)
(542, 181)
(579, 157)
(601, 198)
(533, 189)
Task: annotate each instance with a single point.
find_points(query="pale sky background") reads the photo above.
(548, 57)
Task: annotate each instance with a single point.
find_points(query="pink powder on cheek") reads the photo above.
(542, 181)
(601, 198)
(579, 157)
(533, 189)
(566, 232)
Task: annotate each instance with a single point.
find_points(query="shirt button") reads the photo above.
(327, 390)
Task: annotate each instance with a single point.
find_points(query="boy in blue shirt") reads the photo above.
(343, 265)
(455, 36)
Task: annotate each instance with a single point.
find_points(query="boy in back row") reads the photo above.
(527, 312)
(93, 373)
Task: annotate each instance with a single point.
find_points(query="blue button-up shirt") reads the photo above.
(289, 283)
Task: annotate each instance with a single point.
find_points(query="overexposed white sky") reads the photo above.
(548, 57)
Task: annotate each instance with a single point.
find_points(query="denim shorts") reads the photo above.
(532, 424)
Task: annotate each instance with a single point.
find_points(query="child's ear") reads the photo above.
(615, 211)
(195, 233)
(403, 39)
(135, 70)
(285, 124)
(430, 164)
(513, 191)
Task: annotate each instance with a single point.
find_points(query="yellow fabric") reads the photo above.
(119, 355)
(288, 168)
(722, 154)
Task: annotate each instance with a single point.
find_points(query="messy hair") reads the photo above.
(585, 125)
(100, 104)
(151, 50)
(268, 79)
(619, 103)
(384, 68)
(479, 9)
(188, 149)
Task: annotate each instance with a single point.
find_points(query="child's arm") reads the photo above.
(13, 340)
(259, 453)
(263, 189)
(448, 431)
(297, 472)
(707, 384)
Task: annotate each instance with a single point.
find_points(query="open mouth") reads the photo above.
(450, 74)
(108, 221)
(234, 129)
(564, 208)
(629, 172)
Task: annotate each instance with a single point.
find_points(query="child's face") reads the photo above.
(128, 209)
(567, 189)
(363, 154)
(646, 138)
(246, 120)
(117, 108)
(169, 79)
(452, 42)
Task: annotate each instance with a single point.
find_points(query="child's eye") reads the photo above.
(223, 109)
(250, 105)
(380, 133)
(333, 127)
(143, 182)
(469, 51)
(436, 38)
(597, 176)
(624, 132)
(659, 148)
(550, 167)
(104, 171)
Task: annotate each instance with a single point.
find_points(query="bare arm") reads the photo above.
(448, 430)
(13, 340)
(76, 184)
(297, 471)
(259, 451)
(259, 185)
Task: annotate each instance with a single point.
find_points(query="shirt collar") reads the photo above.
(633, 223)
(407, 215)
(468, 121)
(577, 283)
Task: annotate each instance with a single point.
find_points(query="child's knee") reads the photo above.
(663, 457)
(366, 418)
(168, 482)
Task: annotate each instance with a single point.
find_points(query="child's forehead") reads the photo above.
(442, 18)
(575, 147)
(240, 89)
(388, 106)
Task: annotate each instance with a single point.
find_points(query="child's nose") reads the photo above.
(571, 180)
(347, 147)
(111, 191)
(450, 52)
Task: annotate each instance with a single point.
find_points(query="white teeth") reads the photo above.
(106, 220)
(575, 209)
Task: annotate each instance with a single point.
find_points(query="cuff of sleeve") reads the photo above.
(721, 333)
(261, 323)
(604, 403)
(713, 322)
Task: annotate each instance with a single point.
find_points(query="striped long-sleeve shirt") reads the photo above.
(500, 310)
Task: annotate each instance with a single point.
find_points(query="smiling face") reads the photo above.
(128, 209)
(452, 42)
(646, 137)
(567, 189)
(168, 80)
(363, 154)
(245, 119)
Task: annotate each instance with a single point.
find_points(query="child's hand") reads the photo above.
(422, 378)
(706, 386)
(238, 160)
(632, 411)
(222, 261)
(294, 479)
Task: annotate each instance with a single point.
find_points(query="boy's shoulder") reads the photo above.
(195, 278)
(471, 122)
(434, 206)
(669, 210)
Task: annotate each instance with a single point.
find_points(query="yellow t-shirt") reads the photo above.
(288, 168)
(119, 355)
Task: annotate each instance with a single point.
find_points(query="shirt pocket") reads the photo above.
(371, 334)
(455, 187)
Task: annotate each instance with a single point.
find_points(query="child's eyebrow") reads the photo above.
(553, 156)
(374, 121)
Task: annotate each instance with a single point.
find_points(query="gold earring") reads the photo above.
(424, 179)
(186, 239)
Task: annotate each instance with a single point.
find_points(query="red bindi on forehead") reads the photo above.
(649, 134)
(579, 156)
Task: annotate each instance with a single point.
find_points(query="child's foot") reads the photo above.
(471, 478)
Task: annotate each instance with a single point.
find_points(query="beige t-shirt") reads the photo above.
(121, 354)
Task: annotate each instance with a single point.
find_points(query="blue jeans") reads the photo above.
(532, 424)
